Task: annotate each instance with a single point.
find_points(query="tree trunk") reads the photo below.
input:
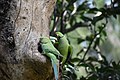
(22, 23)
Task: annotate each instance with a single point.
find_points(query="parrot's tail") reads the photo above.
(54, 65)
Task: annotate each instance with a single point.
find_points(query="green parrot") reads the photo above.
(48, 47)
(50, 51)
(63, 47)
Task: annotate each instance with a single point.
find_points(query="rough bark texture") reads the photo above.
(22, 23)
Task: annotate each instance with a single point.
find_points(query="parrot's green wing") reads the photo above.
(69, 55)
(49, 48)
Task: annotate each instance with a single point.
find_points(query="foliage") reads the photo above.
(70, 15)
(98, 70)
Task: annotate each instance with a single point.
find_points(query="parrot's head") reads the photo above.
(59, 34)
(44, 40)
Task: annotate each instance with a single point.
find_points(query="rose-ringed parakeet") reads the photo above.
(50, 51)
(64, 47)
(48, 47)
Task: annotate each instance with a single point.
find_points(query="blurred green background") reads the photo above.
(92, 28)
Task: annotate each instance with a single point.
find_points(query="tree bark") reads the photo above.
(22, 23)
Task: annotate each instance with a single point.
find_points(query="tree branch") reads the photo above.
(80, 24)
(105, 13)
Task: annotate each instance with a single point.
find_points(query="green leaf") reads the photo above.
(90, 37)
(75, 60)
